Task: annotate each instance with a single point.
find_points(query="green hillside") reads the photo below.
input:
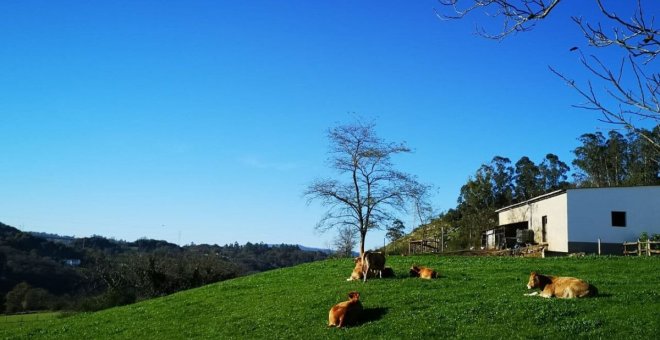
(475, 297)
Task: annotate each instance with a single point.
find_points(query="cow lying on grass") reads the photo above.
(356, 275)
(561, 287)
(347, 312)
(423, 272)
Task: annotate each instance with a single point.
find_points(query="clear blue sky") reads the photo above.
(203, 121)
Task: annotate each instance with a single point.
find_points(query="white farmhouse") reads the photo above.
(574, 220)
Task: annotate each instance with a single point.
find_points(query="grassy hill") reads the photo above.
(426, 231)
(475, 297)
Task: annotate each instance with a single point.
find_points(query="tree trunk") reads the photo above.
(362, 237)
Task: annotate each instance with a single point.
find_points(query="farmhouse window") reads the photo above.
(618, 218)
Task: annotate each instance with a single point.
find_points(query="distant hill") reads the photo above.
(68, 240)
(31, 259)
(322, 250)
(101, 272)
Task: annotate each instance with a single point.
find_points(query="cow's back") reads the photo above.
(427, 273)
(374, 261)
(570, 287)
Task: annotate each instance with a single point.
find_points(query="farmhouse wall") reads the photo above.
(577, 218)
(555, 212)
(590, 213)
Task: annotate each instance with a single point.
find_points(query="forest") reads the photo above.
(93, 273)
(612, 160)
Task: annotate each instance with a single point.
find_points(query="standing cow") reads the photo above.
(372, 261)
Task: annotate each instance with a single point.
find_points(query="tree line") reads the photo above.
(34, 274)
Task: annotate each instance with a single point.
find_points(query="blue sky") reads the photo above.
(203, 121)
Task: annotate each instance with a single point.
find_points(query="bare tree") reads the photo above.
(369, 190)
(345, 241)
(633, 83)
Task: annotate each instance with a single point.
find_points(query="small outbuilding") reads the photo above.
(579, 220)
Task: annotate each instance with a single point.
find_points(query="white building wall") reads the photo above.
(590, 213)
(555, 209)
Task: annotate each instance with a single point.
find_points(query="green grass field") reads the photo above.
(475, 297)
(17, 321)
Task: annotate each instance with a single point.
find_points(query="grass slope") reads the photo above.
(475, 297)
(17, 321)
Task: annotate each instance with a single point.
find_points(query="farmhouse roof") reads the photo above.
(532, 200)
(561, 191)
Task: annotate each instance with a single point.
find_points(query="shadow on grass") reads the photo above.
(372, 314)
(601, 295)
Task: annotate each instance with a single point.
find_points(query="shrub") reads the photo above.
(23, 298)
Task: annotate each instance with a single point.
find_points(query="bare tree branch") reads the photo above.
(622, 116)
(518, 15)
(636, 98)
(637, 36)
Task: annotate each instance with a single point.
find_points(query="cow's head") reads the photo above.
(354, 296)
(533, 280)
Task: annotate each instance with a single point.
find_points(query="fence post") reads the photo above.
(442, 239)
(599, 246)
(639, 248)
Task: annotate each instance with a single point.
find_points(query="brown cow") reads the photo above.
(357, 272)
(347, 312)
(372, 261)
(561, 287)
(423, 272)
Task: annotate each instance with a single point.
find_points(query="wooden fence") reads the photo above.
(431, 245)
(532, 250)
(640, 248)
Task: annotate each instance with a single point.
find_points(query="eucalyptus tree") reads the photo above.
(643, 161)
(554, 173)
(617, 160)
(617, 151)
(367, 191)
(590, 161)
(502, 177)
(528, 179)
(476, 204)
